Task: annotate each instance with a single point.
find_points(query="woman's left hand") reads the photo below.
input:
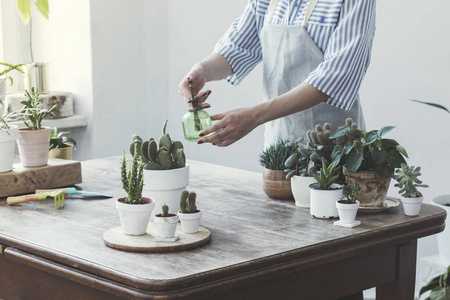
(230, 127)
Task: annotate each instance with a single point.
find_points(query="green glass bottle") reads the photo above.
(194, 122)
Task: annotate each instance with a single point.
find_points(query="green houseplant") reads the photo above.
(370, 160)
(166, 173)
(61, 145)
(189, 214)
(134, 210)
(439, 287)
(408, 181)
(326, 192)
(33, 140)
(275, 184)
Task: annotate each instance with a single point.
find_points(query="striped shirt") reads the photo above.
(342, 29)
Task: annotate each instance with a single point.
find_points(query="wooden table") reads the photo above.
(260, 248)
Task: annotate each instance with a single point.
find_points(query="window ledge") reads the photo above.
(68, 122)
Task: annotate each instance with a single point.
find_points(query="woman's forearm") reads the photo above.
(215, 67)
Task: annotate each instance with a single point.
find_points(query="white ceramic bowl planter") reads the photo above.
(301, 191)
(33, 146)
(7, 146)
(412, 206)
(165, 186)
(190, 221)
(323, 202)
(347, 214)
(167, 226)
(134, 218)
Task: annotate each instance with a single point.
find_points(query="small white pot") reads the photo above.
(190, 221)
(166, 225)
(412, 205)
(165, 186)
(301, 191)
(134, 218)
(7, 146)
(347, 211)
(323, 202)
(33, 146)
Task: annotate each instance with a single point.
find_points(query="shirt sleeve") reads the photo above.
(347, 55)
(240, 45)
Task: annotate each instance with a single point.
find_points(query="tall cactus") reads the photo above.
(183, 201)
(165, 210)
(132, 179)
(164, 155)
(187, 202)
(191, 202)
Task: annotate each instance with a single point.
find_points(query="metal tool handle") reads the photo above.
(51, 190)
(20, 199)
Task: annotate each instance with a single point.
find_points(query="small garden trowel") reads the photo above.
(72, 190)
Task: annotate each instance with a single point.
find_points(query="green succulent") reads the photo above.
(132, 179)
(439, 287)
(274, 156)
(299, 162)
(328, 174)
(408, 181)
(60, 140)
(349, 191)
(32, 112)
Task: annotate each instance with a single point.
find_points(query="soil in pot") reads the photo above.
(276, 186)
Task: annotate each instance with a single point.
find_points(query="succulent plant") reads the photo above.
(165, 210)
(349, 192)
(32, 111)
(164, 155)
(132, 179)
(274, 156)
(187, 202)
(299, 162)
(408, 181)
(328, 174)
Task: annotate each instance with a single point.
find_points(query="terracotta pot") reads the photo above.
(7, 146)
(134, 218)
(372, 189)
(33, 146)
(62, 153)
(275, 184)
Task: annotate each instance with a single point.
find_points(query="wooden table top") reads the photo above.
(249, 231)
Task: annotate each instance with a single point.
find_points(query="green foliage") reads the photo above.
(10, 67)
(60, 140)
(187, 202)
(408, 181)
(169, 154)
(165, 210)
(439, 287)
(25, 9)
(299, 162)
(328, 174)
(132, 179)
(274, 156)
(369, 151)
(32, 112)
(432, 104)
(349, 191)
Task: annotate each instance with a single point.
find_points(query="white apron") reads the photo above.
(289, 56)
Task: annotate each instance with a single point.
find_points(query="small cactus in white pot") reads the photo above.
(189, 214)
(348, 206)
(408, 181)
(166, 222)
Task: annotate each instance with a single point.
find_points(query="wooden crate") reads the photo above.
(21, 180)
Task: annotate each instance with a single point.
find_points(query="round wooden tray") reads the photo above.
(116, 239)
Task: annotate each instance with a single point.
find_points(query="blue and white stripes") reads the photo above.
(342, 29)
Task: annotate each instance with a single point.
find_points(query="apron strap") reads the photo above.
(309, 11)
(272, 6)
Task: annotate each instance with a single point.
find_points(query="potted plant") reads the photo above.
(188, 214)
(408, 181)
(134, 210)
(166, 173)
(61, 146)
(348, 206)
(33, 140)
(326, 192)
(275, 184)
(370, 161)
(8, 136)
(439, 287)
(166, 224)
(300, 167)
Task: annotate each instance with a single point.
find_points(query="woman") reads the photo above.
(315, 54)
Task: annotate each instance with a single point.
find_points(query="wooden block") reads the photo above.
(21, 180)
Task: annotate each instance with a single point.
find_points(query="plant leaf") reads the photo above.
(384, 130)
(24, 10)
(340, 132)
(402, 150)
(431, 104)
(354, 159)
(42, 7)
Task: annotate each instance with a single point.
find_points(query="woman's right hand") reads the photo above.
(196, 77)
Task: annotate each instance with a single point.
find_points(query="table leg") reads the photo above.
(404, 285)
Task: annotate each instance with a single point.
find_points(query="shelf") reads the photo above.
(68, 122)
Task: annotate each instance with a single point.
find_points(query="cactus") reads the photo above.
(165, 210)
(132, 179)
(164, 155)
(187, 202)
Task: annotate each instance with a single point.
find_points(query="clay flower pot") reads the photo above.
(134, 218)
(190, 221)
(347, 211)
(275, 184)
(411, 206)
(62, 153)
(33, 146)
(323, 202)
(167, 226)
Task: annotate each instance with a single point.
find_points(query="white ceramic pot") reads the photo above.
(347, 211)
(7, 146)
(165, 186)
(33, 146)
(443, 238)
(301, 191)
(190, 221)
(134, 218)
(412, 206)
(166, 225)
(323, 202)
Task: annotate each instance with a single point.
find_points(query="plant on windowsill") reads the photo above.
(407, 178)
(326, 192)
(275, 184)
(134, 210)
(300, 167)
(166, 173)
(188, 214)
(61, 145)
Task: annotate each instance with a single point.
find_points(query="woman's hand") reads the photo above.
(196, 77)
(230, 127)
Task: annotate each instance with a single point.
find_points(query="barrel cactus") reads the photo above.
(165, 210)
(162, 155)
(187, 202)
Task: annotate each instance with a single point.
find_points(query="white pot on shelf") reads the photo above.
(7, 147)
(323, 202)
(347, 211)
(134, 218)
(190, 221)
(412, 206)
(33, 146)
(301, 191)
